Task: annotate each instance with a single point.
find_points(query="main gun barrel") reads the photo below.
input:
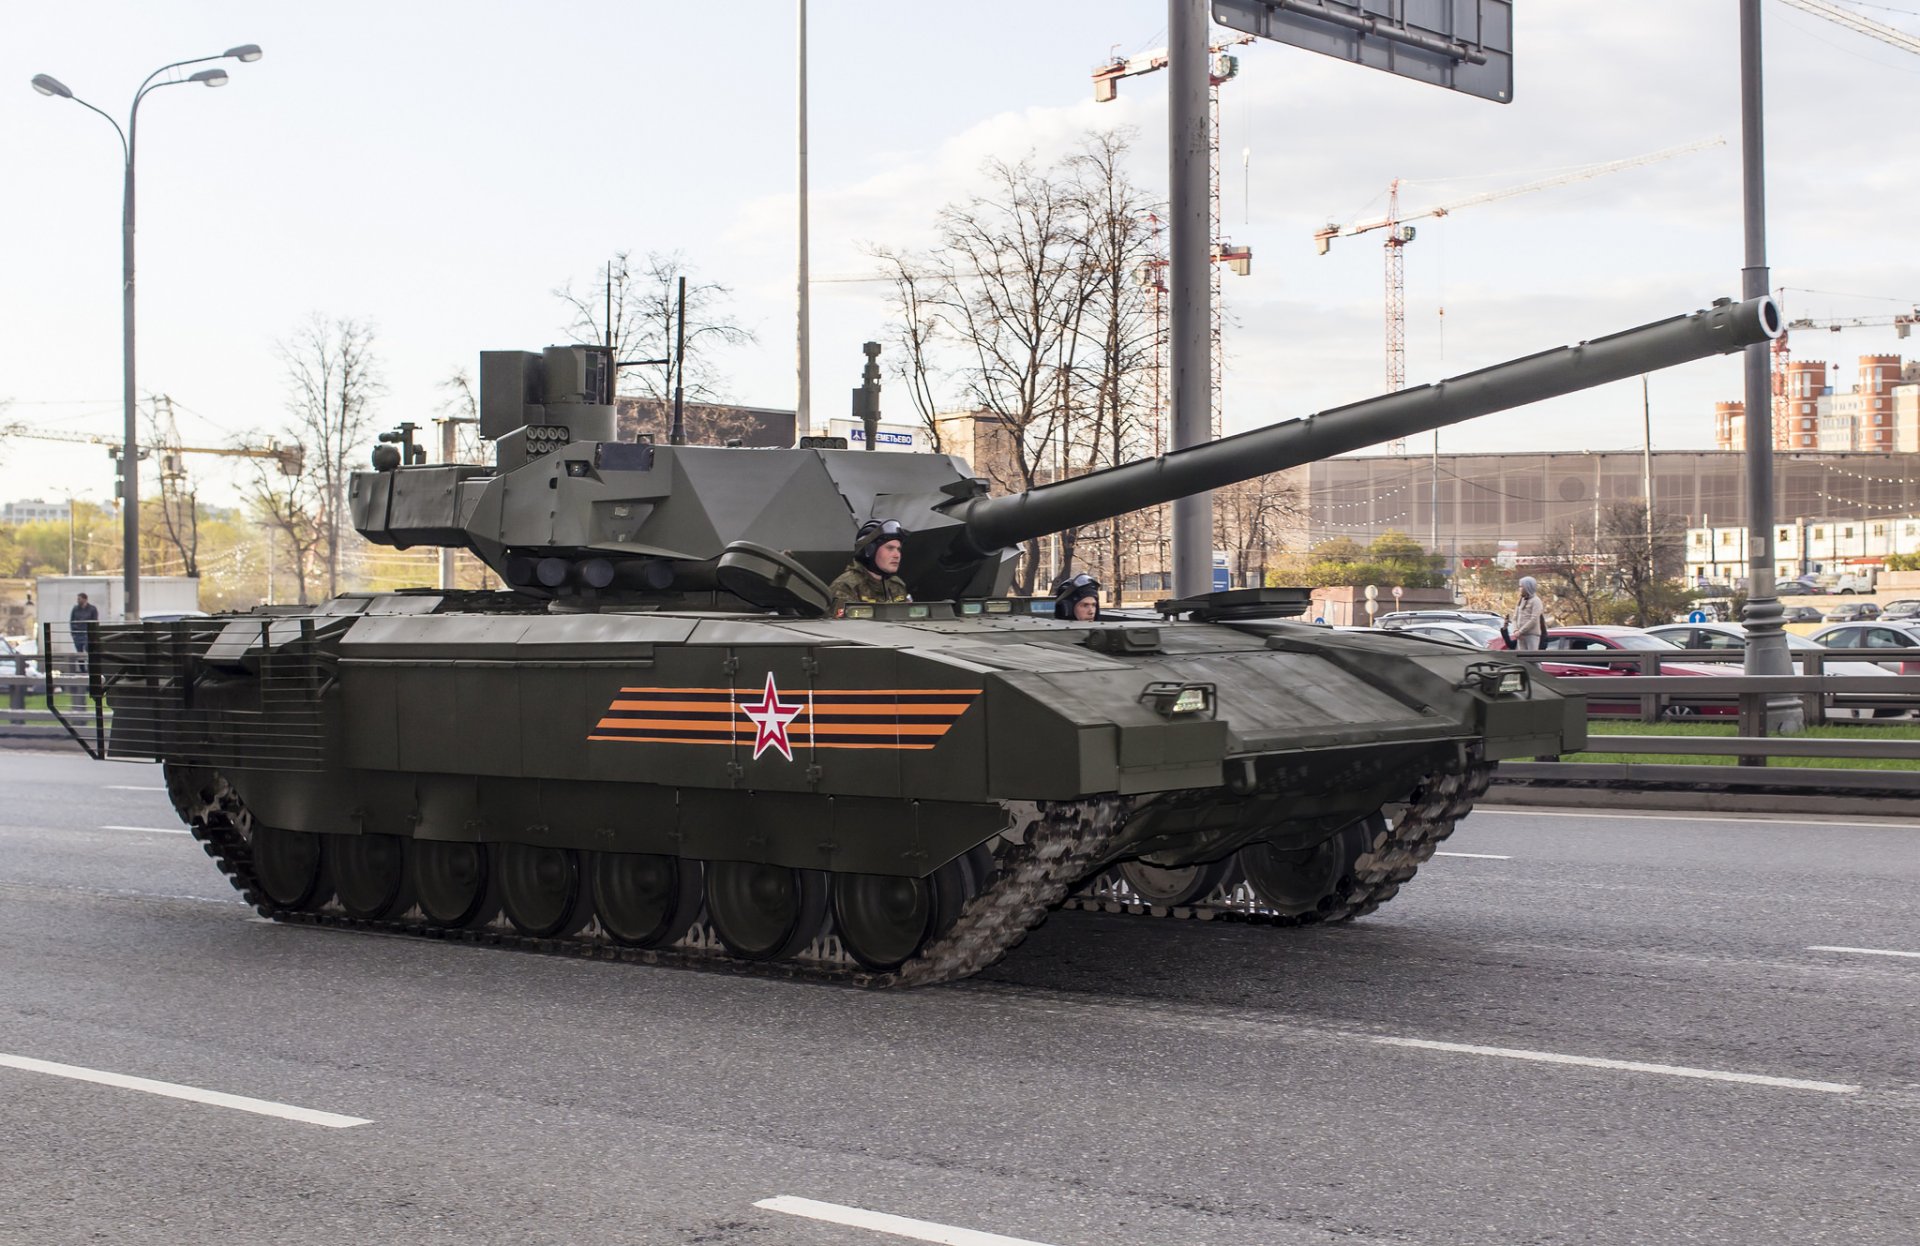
(998, 523)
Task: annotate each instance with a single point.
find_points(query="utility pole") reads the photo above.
(1189, 168)
(803, 405)
(1766, 632)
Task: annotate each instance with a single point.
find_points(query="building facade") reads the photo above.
(33, 510)
(1879, 415)
(1478, 505)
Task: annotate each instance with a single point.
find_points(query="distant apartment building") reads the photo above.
(33, 510)
(1879, 415)
(1803, 546)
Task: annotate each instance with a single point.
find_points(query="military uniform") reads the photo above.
(857, 583)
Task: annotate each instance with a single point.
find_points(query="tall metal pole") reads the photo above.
(803, 405)
(1646, 475)
(1191, 295)
(677, 431)
(130, 440)
(1766, 632)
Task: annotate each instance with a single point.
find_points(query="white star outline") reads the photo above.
(770, 717)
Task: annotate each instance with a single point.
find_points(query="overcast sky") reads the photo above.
(437, 170)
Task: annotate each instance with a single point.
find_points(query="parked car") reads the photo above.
(1401, 618)
(1733, 638)
(1881, 635)
(1801, 614)
(1852, 612)
(1591, 644)
(1473, 635)
(1903, 608)
(18, 659)
(1802, 586)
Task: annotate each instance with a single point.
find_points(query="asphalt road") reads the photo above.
(1114, 1081)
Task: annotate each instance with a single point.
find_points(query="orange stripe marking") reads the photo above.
(635, 739)
(850, 692)
(820, 709)
(793, 729)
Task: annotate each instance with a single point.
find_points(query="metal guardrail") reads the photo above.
(26, 721)
(1752, 784)
(1823, 697)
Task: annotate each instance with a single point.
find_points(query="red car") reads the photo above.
(1591, 644)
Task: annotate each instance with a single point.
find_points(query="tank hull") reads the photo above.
(877, 748)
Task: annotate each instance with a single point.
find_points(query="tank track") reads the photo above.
(1050, 847)
(1388, 863)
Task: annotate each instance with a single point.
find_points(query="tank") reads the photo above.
(658, 745)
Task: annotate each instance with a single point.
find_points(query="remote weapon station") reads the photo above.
(658, 744)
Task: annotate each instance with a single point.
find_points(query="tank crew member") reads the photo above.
(1077, 597)
(874, 573)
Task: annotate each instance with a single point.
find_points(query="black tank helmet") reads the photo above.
(872, 535)
(1071, 590)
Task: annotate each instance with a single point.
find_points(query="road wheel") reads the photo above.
(290, 867)
(762, 911)
(884, 919)
(644, 899)
(1299, 882)
(370, 874)
(543, 890)
(1170, 886)
(455, 883)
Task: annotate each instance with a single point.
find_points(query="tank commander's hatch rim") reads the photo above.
(771, 580)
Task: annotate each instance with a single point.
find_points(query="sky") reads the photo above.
(437, 171)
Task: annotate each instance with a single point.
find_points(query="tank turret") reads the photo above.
(567, 512)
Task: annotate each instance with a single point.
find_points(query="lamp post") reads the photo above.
(129, 483)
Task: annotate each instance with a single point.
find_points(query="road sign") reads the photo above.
(1462, 45)
(1397, 591)
(1698, 616)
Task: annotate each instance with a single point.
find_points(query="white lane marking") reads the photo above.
(1625, 1066)
(1865, 951)
(154, 830)
(1484, 812)
(1480, 856)
(881, 1222)
(193, 1094)
(122, 787)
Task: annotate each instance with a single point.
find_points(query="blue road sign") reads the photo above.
(1698, 616)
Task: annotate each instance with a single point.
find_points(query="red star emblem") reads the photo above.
(770, 718)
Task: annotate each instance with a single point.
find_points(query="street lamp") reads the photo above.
(129, 466)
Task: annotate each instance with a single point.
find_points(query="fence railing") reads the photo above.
(1651, 696)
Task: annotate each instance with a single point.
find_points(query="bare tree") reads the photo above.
(285, 504)
(333, 377)
(178, 505)
(1568, 571)
(1247, 517)
(1647, 571)
(1015, 304)
(632, 308)
(1114, 245)
(920, 285)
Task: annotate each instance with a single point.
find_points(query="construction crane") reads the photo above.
(291, 459)
(1224, 68)
(1399, 234)
(1853, 21)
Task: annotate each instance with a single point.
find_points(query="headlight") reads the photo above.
(1171, 699)
(1498, 679)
